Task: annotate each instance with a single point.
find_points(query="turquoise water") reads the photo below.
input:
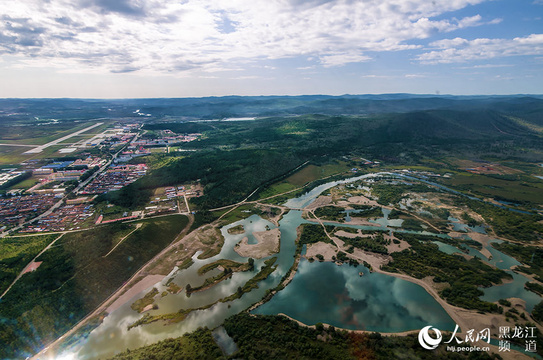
(461, 227)
(450, 249)
(501, 261)
(512, 289)
(337, 295)
(320, 292)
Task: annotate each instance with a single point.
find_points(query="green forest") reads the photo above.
(74, 278)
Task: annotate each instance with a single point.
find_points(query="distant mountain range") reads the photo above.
(528, 107)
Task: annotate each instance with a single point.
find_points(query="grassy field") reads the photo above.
(26, 184)
(226, 264)
(311, 173)
(518, 189)
(13, 154)
(111, 212)
(39, 135)
(16, 253)
(304, 176)
(515, 181)
(239, 213)
(75, 277)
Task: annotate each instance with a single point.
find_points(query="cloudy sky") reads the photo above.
(163, 48)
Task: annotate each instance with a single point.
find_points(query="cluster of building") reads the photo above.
(166, 138)
(131, 154)
(162, 208)
(115, 178)
(59, 172)
(8, 175)
(172, 199)
(89, 162)
(79, 165)
(17, 209)
(108, 139)
(484, 169)
(173, 192)
(424, 174)
(67, 217)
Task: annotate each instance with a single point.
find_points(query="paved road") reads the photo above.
(40, 148)
(60, 202)
(4, 144)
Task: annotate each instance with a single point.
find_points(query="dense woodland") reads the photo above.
(464, 276)
(197, 345)
(236, 158)
(525, 227)
(259, 337)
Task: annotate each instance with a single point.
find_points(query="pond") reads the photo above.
(320, 292)
(339, 296)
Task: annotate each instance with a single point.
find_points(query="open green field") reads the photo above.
(14, 155)
(304, 176)
(26, 184)
(519, 188)
(311, 173)
(39, 135)
(239, 213)
(77, 274)
(16, 253)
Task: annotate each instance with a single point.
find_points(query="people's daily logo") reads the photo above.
(428, 342)
(472, 338)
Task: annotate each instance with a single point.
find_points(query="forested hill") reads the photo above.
(236, 157)
(436, 126)
(31, 110)
(233, 158)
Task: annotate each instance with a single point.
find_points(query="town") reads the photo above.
(59, 193)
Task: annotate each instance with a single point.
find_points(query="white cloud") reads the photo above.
(486, 66)
(462, 50)
(415, 76)
(342, 59)
(152, 36)
(372, 76)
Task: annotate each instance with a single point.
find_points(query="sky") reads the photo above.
(194, 48)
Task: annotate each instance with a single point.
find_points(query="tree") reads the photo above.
(537, 312)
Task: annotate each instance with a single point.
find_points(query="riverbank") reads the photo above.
(512, 355)
(139, 287)
(268, 244)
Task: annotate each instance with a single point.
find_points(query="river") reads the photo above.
(320, 292)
